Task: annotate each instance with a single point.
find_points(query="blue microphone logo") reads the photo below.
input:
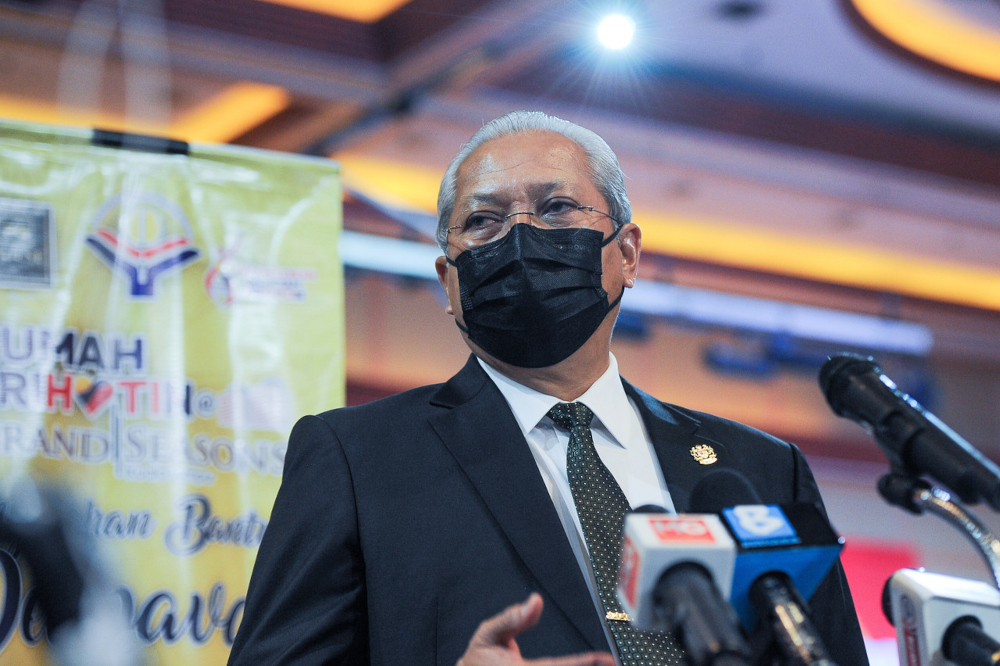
(757, 525)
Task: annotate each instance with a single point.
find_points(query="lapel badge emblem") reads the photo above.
(704, 454)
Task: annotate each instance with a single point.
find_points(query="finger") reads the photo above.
(589, 659)
(517, 618)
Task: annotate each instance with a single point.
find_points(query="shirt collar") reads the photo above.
(606, 398)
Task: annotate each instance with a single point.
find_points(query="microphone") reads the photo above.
(940, 618)
(913, 438)
(672, 570)
(83, 617)
(783, 554)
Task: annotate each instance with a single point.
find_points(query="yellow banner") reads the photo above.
(164, 318)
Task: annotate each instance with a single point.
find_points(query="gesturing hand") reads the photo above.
(493, 643)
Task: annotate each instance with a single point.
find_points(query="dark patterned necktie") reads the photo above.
(602, 505)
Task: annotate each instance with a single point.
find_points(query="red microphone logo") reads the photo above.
(682, 529)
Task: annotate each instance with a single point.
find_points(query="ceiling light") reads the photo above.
(616, 31)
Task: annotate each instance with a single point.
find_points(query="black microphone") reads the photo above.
(688, 603)
(83, 615)
(672, 569)
(721, 489)
(913, 438)
(777, 548)
(36, 520)
(965, 643)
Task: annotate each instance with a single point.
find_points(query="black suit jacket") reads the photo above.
(401, 524)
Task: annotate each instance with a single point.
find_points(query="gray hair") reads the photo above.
(605, 172)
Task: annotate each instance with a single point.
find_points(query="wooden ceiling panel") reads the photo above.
(92, 89)
(31, 74)
(680, 98)
(289, 26)
(418, 21)
(295, 24)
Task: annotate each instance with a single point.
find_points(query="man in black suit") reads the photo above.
(402, 525)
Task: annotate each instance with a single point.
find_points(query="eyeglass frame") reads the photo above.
(505, 218)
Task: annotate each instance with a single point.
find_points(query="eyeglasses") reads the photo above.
(483, 226)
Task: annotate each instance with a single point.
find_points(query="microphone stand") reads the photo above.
(917, 496)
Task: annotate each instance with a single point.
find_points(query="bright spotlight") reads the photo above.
(616, 31)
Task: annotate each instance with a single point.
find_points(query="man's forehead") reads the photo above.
(499, 194)
(540, 161)
(523, 149)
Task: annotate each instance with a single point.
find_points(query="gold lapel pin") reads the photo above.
(704, 454)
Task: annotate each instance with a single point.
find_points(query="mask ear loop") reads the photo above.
(612, 236)
(609, 239)
(617, 300)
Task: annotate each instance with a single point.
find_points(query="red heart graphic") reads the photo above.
(94, 399)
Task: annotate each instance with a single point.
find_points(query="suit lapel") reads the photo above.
(674, 434)
(484, 438)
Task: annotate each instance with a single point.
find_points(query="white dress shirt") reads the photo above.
(621, 441)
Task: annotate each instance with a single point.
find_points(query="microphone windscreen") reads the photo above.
(722, 489)
(836, 374)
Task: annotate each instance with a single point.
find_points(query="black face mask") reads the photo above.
(534, 297)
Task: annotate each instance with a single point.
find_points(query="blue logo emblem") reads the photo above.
(142, 236)
(757, 525)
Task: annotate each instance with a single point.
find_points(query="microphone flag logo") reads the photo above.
(756, 525)
(681, 529)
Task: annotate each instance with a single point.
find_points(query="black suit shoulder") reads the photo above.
(349, 476)
(416, 398)
(306, 599)
(388, 438)
(384, 414)
(724, 429)
(774, 467)
(785, 476)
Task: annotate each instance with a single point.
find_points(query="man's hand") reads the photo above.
(493, 643)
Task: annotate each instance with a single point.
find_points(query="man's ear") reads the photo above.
(630, 244)
(441, 266)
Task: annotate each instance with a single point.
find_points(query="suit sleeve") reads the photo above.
(831, 606)
(306, 601)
